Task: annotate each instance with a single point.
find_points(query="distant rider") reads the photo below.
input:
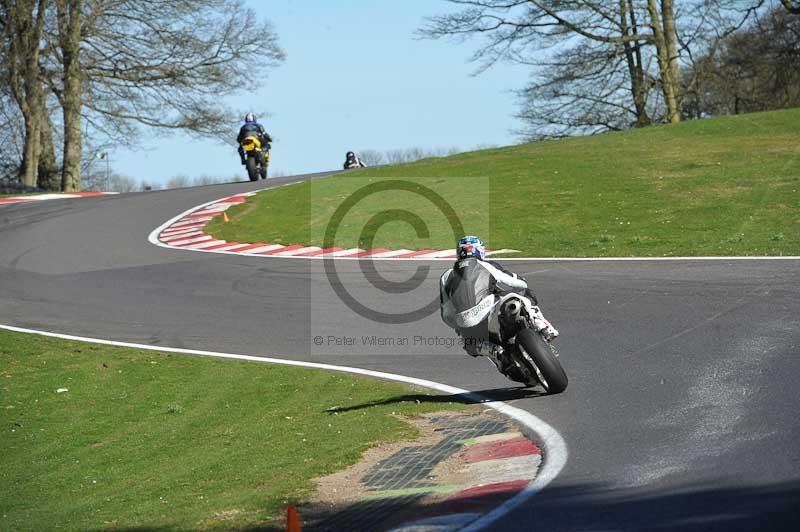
(352, 161)
(471, 287)
(252, 127)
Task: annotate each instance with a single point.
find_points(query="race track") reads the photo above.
(682, 410)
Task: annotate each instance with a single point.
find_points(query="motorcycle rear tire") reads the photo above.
(252, 168)
(263, 171)
(545, 369)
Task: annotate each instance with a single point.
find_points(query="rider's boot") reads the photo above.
(496, 354)
(543, 326)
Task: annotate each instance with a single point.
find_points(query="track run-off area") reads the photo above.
(682, 407)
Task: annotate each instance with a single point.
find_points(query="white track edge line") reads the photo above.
(554, 459)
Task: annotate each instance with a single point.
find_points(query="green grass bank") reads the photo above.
(145, 440)
(723, 186)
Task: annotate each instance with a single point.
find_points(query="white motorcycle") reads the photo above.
(520, 348)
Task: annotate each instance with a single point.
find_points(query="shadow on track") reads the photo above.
(487, 396)
(695, 507)
(581, 508)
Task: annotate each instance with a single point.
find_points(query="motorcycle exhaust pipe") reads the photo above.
(511, 310)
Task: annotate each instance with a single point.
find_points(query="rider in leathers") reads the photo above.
(468, 292)
(252, 127)
(351, 160)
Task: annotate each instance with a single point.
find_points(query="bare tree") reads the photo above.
(178, 181)
(99, 181)
(751, 6)
(118, 66)
(592, 57)
(792, 6)
(121, 184)
(588, 88)
(47, 177)
(637, 71)
(210, 180)
(23, 23)
(756, 68)
(12, 140)
(417, 153)
(12, 135)
(70, 16)
(160, 64)
(140, 54)
(396, 156)
(146, 186)
(401, 156)
(371, 157)
(665, 38)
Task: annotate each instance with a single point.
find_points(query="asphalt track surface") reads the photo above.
(682, 410)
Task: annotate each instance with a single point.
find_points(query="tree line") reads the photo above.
(600, 65)
(115, 69)
(372, 157)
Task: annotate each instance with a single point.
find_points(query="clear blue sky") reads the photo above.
(356, 77)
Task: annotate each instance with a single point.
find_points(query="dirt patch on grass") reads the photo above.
(345, 486)
(414, 477)
(226, 515)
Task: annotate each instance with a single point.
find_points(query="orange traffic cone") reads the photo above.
(225, 217)
(292, 520)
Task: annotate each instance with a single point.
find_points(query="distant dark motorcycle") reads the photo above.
(352, 161)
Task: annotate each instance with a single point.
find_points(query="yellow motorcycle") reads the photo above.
(257, 157)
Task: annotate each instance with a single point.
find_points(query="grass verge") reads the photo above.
(159, 441)
(725, 186)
